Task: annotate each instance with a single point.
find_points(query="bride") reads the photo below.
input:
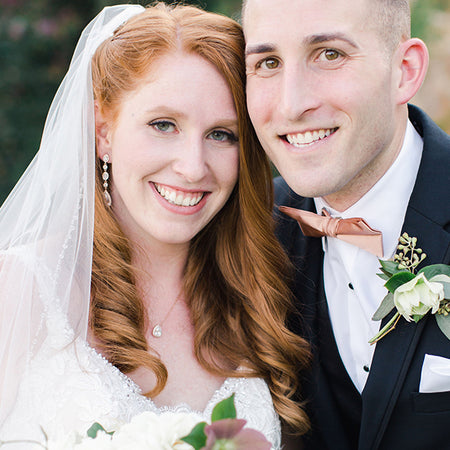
(170, 295)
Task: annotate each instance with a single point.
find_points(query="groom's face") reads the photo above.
(320, 90)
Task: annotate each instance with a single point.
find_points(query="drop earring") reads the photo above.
(105, 177)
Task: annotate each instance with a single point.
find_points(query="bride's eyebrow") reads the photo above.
(259, 48)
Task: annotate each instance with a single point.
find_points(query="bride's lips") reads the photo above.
(181, 201)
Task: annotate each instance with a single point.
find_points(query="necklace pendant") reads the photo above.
(157, 331)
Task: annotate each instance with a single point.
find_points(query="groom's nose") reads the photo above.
(298, 92)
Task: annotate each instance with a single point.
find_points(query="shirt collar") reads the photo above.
(384, 206)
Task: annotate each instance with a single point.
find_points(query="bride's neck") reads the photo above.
(159, 266)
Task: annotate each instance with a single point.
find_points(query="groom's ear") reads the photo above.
(102, 133)
(410, 64)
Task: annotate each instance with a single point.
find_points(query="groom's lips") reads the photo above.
(309, 137)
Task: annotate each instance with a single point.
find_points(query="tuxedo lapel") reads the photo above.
(393, 354)
(390, 364)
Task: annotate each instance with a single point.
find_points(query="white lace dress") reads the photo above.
(69, 386)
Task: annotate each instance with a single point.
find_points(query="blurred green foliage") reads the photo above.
(36, 43)
(421, 12)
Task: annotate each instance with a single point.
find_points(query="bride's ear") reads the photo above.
(102, 133)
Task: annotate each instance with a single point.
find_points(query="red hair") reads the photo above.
(235, 269)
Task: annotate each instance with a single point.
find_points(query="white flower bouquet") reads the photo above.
(168, 431)
(145, 431)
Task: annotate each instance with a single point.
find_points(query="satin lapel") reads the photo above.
(394, 352)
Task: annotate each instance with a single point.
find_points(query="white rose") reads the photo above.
(418, 296)
(74, 441)
(155, 431)
(101, 442)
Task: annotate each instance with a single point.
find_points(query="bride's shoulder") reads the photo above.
(26, 283)
(253, 403)
(22, 263)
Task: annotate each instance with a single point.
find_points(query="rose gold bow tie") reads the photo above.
(354, 230)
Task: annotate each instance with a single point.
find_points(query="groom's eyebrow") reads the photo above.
(259, 48)
(328, 37)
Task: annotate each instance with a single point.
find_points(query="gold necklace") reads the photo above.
(157, 329)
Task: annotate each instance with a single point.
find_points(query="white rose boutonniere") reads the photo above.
(413, 295)
(417, 297)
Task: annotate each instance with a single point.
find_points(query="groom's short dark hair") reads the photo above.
(392, 19)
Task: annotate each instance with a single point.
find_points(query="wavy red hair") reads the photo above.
(235, 269)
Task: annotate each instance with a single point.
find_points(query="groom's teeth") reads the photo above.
(179, 198)
(308, 137)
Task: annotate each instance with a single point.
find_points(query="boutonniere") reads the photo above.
(413, 295)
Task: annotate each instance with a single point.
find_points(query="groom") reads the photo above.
(328, 82)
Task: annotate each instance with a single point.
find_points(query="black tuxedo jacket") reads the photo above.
(394, 415)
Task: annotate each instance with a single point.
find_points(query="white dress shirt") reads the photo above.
(353, 290)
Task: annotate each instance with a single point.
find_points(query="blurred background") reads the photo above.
(37, 39)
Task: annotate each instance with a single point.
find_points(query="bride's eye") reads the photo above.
(222, 136)
(164, 126)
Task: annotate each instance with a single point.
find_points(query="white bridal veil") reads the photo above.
(46, 223)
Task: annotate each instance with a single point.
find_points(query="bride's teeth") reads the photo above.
(179, 198)
(308, 137)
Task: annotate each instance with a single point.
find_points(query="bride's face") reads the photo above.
(173, 151)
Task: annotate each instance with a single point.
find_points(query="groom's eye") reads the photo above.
(331, 55)
(270, 63)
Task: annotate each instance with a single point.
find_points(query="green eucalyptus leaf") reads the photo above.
(389, 267)
(435, 269)
(383, 276)
(446, 290)
(197, 437)
(95, 428)
(398, 279)
(443, 323)
(224, 410)
(387, 305)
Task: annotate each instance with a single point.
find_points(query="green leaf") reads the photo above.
(197, 437)
(224, 410)
(387, 305)
(446, 290)
(95, 428)
(444, 324)
(383, 276)
(398, 279)
(386, 329)
(435, 269)
(389, 267)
